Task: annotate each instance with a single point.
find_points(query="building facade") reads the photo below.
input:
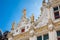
(46, 27)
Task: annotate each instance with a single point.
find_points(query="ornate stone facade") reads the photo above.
(48, 23)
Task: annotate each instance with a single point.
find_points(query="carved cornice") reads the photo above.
(57, 24)
(55, 3)
(38, 31)
(21, 36)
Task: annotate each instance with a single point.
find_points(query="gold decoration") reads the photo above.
(32, 18)
(13, 24)
(24, 12)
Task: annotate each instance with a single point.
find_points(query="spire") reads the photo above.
(13, 24)
(32, 18)
(24, 12)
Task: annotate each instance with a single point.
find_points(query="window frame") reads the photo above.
(56, 11)
(22, 29)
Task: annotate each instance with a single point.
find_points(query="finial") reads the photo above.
(24, 12)
(32, 18)
(13, 24)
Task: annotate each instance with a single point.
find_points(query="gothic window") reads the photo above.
(39, 38)
(23, 30)
(56, 12)
(55, 8)
(45, 37)
(58, 33)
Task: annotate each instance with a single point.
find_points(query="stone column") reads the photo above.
(52, 33)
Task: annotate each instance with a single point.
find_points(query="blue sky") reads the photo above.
(11, 10)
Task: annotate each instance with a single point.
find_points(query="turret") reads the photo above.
(32, 18)
(13, 24)
(24, 13)
(12, 29)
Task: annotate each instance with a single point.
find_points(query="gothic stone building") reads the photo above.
(46, 27)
